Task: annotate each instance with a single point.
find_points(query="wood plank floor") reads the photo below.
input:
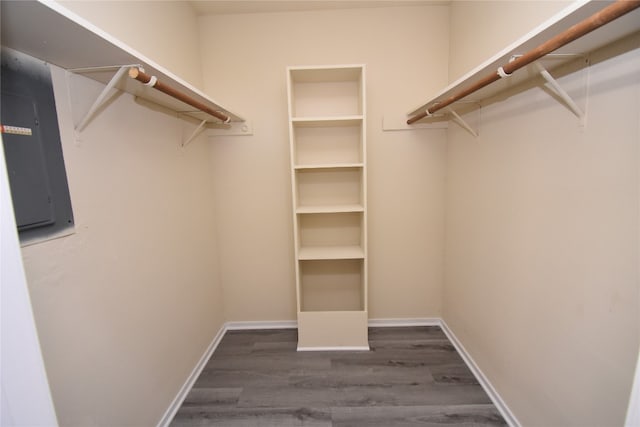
(412, 376)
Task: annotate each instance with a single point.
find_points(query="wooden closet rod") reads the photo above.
(138, 74)
(597, 20)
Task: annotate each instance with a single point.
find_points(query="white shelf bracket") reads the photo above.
(243, 128)
(195, 133)
(102, 97)
(460, 122)
(558, 90)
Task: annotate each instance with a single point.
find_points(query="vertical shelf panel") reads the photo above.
(328, 180)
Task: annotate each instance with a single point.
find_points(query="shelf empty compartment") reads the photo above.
(329, 186)
(332, 285)
(330, 230)
(326, 92)
(335, 142)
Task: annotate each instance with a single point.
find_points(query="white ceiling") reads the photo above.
(220, 7)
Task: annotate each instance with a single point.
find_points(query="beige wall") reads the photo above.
(480, 29)
(135, 292)
(127, 305)
(541, 232)
(251, 174)
(542, 282)
(164, 31)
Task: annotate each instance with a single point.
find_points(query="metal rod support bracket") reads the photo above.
(460, 122)
(557, 89)
(102, 98)
(195, 133)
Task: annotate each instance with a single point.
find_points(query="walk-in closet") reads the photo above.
(320, 213)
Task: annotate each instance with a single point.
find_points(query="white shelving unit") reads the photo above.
(576, 50)
(50, 32)
(328, 175)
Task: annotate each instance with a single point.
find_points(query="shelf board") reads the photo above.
(321, 74)
(331, 312)
(50, 32)
(330, 166)
(327, 121)
(566, 18)
(330, 252)
(329, 209)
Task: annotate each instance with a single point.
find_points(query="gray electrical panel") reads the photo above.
(32, 147)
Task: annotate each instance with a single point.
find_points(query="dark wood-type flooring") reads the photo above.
(412, 376)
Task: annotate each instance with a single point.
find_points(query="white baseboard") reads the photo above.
(374, 323)
(195, 373)
(418, 321)
(363, 348)
(267, 324)
(191, 379)
(380, 323)
(506, 413)
(633, 410)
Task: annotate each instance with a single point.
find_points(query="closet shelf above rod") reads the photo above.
(574, 28)
(50, 32)
(152, 81)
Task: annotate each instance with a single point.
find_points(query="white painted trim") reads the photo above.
(374, 323)
(25, 394)
(419, 321)
(506, 413)
(633, 410)
(191, 379)
(267, 324)
(502, 407)
(363, 348)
